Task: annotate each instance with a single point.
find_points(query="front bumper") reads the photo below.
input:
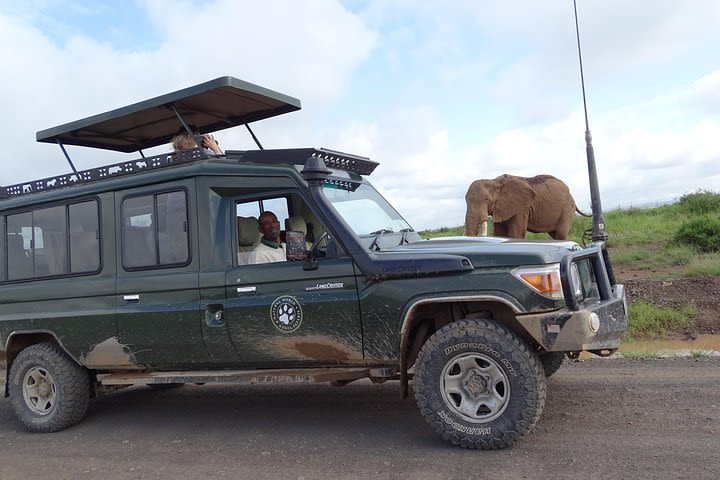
(570, 331)
(594, 326)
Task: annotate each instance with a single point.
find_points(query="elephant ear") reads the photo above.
(515, 196)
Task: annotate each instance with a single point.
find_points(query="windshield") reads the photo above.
(365, 210)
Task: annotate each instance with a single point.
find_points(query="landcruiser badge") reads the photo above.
(325, 286)
(286, 314)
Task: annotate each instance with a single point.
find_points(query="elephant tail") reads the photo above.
(582, 213)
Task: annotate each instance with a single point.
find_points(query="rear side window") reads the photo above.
(84, 237)
(51, 241)
(3, 258)
(19, 241)
(155, 230)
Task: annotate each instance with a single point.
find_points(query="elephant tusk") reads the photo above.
(484, 229)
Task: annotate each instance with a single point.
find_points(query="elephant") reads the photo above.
(518, 204)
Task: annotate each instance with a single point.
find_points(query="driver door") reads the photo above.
(279, 314)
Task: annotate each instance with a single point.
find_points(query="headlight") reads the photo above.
(544, 279)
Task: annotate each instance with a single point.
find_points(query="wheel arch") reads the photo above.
(425, 316)
(20, 340)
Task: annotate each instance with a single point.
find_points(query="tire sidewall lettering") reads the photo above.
(447, 418)
(481, 348)
(22, 369)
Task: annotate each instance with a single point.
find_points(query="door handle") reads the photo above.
(246, 290)
(131, 298)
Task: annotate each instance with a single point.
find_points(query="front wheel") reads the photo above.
(479, 385)
(551, 362)
(48, 390)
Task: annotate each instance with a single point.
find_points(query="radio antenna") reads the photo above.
(598, 223)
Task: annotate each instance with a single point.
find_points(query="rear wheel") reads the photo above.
(479, 385)
(48, 390)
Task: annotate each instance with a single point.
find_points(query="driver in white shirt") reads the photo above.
(270, 249)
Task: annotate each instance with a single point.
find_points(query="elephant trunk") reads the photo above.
(471, 224)
(473, 221)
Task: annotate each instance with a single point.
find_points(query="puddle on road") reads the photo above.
(708, 344)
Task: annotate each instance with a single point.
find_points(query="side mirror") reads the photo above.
(295, 246)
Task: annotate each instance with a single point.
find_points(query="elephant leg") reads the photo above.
(563, 228)
(499, 229)
(516, 227)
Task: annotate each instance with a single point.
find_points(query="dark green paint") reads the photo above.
(170, 328)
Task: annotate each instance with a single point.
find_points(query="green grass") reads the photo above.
(699, 353)
(704, 265)
(647, 321)
(443, 232)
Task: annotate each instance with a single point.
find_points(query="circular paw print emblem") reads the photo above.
(286, 314)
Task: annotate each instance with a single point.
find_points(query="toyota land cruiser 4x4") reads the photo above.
(139, 273)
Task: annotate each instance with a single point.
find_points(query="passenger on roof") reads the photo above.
(184, 140)
(270, 249)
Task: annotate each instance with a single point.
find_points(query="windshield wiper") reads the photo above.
(378, 234)
(404, 232)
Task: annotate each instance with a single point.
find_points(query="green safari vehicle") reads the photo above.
(141, 273)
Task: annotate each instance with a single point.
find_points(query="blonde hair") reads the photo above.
(183, 141)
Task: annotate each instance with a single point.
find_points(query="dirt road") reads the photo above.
(617, 418)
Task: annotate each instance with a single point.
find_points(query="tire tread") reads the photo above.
(519, 352)
(72, 386)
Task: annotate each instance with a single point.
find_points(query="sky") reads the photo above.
(441, 93)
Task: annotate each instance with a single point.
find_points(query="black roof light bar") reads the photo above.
(298, 156)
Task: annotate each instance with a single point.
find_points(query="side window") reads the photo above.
(39, 243)
(172, 228)
(49, 241)
(84, 237)
(279, 206)
(19, 239)
(3, 255)
(155, 230)
(301, 220)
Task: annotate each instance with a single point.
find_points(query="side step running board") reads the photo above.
(304, 375)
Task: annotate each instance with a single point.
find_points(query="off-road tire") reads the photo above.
(551, 362)
(458, 362)
(48, 390)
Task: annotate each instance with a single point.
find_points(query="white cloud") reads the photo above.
(300, 53)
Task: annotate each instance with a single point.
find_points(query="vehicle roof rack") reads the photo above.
(218, 104)
(298, 156)
(102, 173)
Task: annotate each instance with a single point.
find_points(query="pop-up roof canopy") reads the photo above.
(215, 105)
